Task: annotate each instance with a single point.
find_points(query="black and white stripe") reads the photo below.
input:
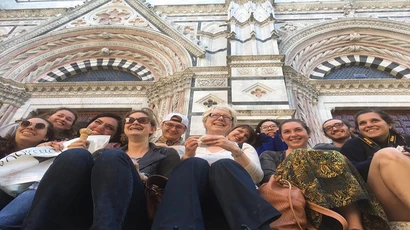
(98, 64)
(390, 67)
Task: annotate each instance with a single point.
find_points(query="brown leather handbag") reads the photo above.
(290, 201)
(154, 189)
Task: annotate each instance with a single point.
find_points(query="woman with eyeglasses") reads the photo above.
(29, 133)
(268, 137)
(381, 155)
(214, 185)
(326, 178)
(63, 120)
(78, 192)
(12, 215)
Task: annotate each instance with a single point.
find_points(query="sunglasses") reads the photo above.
(141, 120)
(26, 123)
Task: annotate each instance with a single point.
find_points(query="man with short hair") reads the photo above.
(338, 131)
(173, 127)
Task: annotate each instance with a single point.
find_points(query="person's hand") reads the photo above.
(137, 167)
(57, 145)
(83, 144)
(190, 147)
(219, 141)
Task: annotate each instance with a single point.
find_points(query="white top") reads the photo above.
(254, 168)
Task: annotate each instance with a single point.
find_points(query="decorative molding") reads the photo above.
(31, 13)
(268, 113)
(299, 7)
(67, 71)
(211, 82)
(12, 92)
(208, 9)
(390, 67)
(81, 90)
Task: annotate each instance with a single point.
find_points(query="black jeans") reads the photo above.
(79, 193)
(221, 196)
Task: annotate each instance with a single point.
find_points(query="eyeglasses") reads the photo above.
(217, 115)
(26, 123)
(177, 127)
(269, 127)
(336, 125)
(141, 120)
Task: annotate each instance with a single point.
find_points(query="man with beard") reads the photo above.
(338, 131)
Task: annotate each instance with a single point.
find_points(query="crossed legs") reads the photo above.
(388, 180)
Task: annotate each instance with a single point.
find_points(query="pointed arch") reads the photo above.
(313, 47)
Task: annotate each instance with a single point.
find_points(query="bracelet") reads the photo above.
(240, 154)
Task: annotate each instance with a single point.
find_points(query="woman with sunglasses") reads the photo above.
(29, 133)
(78, 192)
(215, 179)
(381, 155)
(326, 178)
(63, 120)
(13, 214)
(268, 137)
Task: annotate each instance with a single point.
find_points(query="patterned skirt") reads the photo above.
(327, 178)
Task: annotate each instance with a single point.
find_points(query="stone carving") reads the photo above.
(105, 51)
(258, 90)
(109, 16)
(243, 71)
(211, 82)
(209, 100)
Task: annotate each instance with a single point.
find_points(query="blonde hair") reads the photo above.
(226, 108)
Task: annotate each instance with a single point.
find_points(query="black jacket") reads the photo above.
(158, 160)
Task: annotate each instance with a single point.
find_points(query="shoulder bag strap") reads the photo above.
(290, 203)
(327, 212)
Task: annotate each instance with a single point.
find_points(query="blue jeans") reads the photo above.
(13, 214)
(220, 196)
(79, 193)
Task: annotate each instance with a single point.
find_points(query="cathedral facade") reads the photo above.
(280, 60)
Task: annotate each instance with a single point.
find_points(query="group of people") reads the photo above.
(212, 178)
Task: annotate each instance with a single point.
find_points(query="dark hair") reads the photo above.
(258, 141)
(303, 124)
(8, 144)
(252, 133)
(147, 111)
(117, 136)
(63, 134)
(385, 116)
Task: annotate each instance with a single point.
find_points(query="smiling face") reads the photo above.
(219, 122)
(104, 126)
(294, 135)
(172, 130)
(62, 119)
(336, 130)
(137, 129)
(30, 135)
(269, 128)
(373, 126)
(239, 135)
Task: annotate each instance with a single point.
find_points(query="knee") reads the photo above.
(387, 156)
(112, 155)
(196, 162)
(220, 167)
(75, 155)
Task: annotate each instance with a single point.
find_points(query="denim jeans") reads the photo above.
(220, 196)
(13, 214)
(80, 193)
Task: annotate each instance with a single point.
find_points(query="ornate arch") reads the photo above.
(66, 71)
(390, 67)
(311, 48)
(38, 58)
